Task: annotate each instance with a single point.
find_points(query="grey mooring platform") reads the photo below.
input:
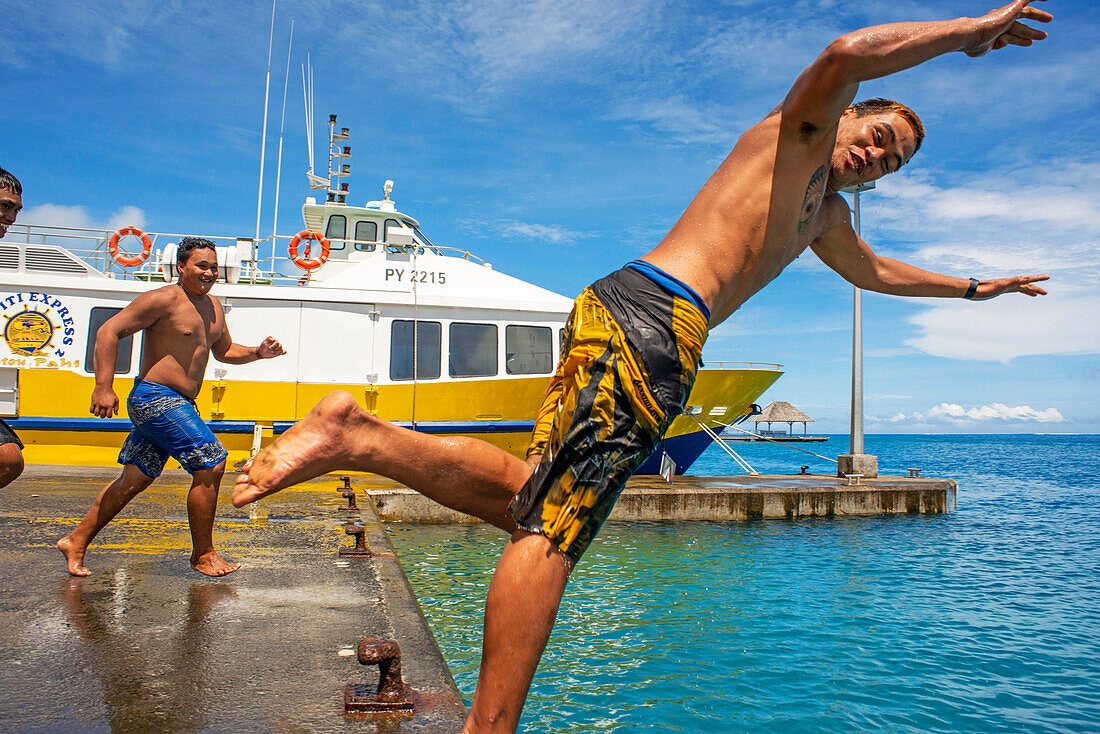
(723, 499)
(147, 645)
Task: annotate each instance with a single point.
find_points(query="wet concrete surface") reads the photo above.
(147, 645)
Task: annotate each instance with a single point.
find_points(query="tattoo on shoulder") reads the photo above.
(815, 191)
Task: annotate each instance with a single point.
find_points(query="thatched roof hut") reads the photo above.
(782, 412)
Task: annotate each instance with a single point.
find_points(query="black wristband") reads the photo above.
(969, 295)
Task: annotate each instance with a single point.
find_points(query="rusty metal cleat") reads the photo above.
(391, 695)
(360, 533)
(914, 472)
(349, 494)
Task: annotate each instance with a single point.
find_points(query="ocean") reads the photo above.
(986, 619)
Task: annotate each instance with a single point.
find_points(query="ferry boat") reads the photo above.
(426, 336)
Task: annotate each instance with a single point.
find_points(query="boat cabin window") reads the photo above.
(424, 240)
(98, 318)
(529, 350)
(473, 350)
(427, 350)
(366, 234)
(390, 224)
(337, 231)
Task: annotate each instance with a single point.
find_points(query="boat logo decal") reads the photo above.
(37, 325)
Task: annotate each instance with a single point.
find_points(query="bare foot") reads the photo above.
(311, 447)
(74, 557)
(211, 564)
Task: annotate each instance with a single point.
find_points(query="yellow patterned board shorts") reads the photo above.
(629, 358)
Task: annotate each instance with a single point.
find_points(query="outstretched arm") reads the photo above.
(842, 250)
(826, 88)
(227, 351)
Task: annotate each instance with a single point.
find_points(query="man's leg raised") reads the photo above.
(202, 503)
(520, 610)
(462, 473)
(109, 503)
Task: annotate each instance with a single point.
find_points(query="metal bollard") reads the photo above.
(349, 495)
(853, 479)
(360, 533)
(914, 472)
(804, 468)
(391, 695)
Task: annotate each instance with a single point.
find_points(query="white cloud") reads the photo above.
(507, 39)
(1067, 203)
(1009, 327)
(1073, 259)
(58, 215)
(550, 233)
(1038, 219)
(764, 52)
(1057, 193)
(685, 120)
(885, 352)
(958, 415)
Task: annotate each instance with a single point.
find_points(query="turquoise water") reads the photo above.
(983, 620)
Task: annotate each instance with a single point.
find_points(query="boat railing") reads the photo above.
(376, 245)
(770, 366)
(262, 262)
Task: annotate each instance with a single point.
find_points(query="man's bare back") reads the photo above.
(743, 228)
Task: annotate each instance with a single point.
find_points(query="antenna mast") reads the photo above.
(315, 182)
(340, 196)
(263, 139)
(282, 124)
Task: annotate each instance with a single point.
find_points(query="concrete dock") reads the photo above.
(725, 498)
(147, 645)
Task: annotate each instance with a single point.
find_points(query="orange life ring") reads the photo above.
(300, 260)
(130, 261)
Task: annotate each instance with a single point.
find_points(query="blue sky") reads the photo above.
(559, 139)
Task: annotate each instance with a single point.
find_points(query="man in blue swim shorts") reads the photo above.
(182, 324)
(633, 341)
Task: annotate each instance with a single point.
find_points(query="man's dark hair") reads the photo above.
(10, 182)
(190, 244)
(878, 106)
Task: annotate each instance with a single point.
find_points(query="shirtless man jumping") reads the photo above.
(183, 324)
(634, 338)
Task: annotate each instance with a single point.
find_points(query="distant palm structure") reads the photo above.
(781, 412)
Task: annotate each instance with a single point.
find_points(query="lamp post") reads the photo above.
(855, 461)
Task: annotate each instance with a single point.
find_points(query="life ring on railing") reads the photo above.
(130, 261)
(301, 260)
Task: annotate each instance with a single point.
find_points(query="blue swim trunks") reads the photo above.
(167, 424)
